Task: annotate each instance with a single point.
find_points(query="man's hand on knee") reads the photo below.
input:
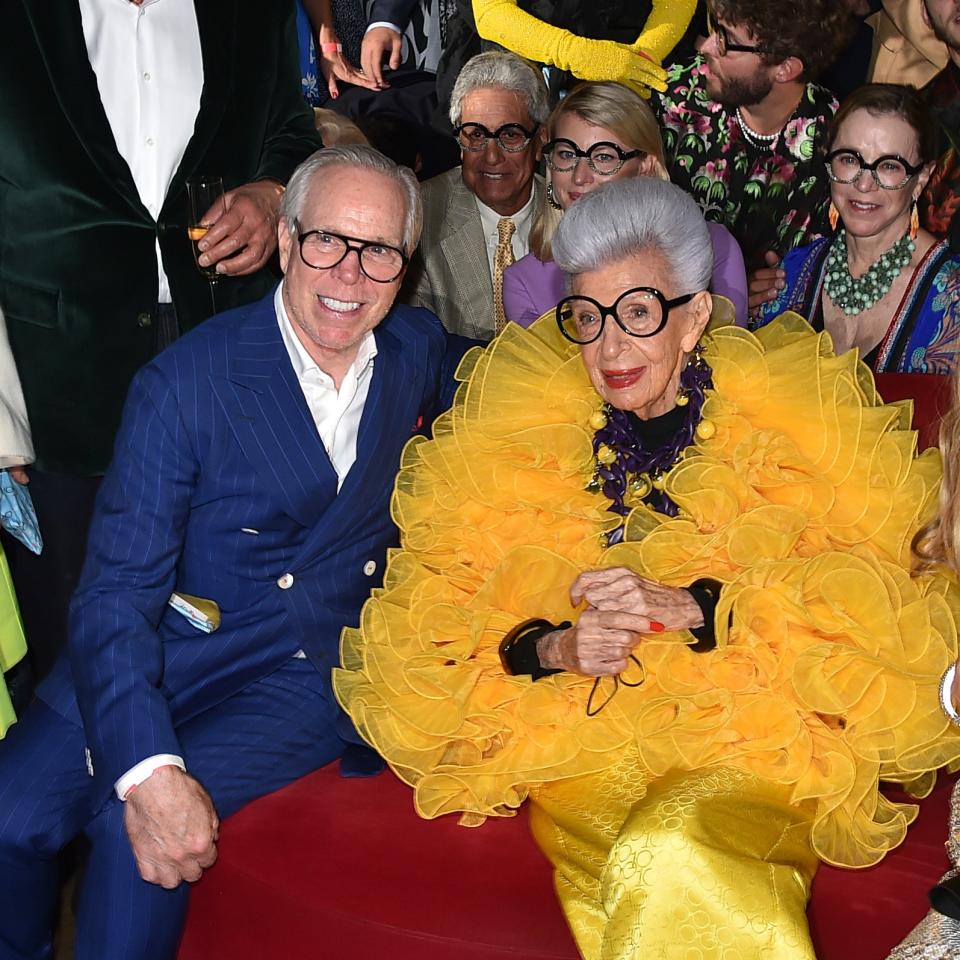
(172, 827)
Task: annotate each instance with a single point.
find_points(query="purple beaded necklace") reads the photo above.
(624, 467)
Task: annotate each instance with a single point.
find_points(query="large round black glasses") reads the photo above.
(603, 158)
(323, 250)
(640, 312)
(512, 137)
(889, 172)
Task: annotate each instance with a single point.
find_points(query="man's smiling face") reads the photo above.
(333, 309)
(500, 180)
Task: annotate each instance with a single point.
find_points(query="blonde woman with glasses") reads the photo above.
(600, 133)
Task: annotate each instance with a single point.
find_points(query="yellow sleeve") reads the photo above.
(665, 26)
(503, 22)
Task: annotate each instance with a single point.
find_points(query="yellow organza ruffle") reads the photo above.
(803, 501)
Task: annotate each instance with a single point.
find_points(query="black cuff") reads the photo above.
(945, 898)
(518, 650)
(706, 595)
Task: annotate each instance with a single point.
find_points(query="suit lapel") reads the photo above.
(463, 247)
(390, 418)
(269, 416)
(217, 24)
(58, 28)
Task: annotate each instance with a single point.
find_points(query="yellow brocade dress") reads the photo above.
(686, 819)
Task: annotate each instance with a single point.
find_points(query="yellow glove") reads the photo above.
(607, 60)
(635, 65)
(667, 23)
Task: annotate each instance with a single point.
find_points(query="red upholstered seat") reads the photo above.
(930, 395)
(344, 869)
(339, 868)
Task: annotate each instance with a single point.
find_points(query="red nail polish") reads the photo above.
(656, 626)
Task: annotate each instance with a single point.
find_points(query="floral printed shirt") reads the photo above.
(941, 199)
(770, 197)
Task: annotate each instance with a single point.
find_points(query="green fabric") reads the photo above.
(13, 645)
(78, 278)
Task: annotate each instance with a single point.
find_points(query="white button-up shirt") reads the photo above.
(149, 71)
(336, 413)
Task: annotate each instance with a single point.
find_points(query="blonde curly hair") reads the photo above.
(939, 541)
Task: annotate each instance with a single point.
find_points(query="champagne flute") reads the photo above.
(206, 207)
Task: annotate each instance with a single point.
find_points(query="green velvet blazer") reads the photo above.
(78, 277)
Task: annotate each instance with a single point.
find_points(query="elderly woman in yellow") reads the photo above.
(659, 582)
(567, 41)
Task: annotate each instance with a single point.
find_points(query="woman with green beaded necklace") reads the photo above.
(879, 284)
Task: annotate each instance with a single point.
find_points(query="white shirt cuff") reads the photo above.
(136, 775)
(382, 23)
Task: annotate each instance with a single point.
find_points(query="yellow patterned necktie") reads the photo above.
(501, 260)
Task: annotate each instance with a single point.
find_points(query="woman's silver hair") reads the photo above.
(497, 68)
(355, 155)
(624, 217)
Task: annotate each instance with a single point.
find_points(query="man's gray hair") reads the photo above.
(627, 216)
(356, 155)
(498, 68)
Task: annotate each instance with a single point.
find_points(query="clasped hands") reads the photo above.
(172, 828)
(243, 232)
(622, 608)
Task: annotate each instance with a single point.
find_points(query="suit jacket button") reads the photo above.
(144, 320)
(370, 568)
(285, 582)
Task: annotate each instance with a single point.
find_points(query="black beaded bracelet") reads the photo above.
(518, 649)
(706, 595)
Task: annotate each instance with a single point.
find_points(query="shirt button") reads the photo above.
(146, 77)
(149, 141)
(370, 568)
(285, 582)
(144, 320)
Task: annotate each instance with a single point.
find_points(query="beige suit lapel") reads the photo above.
(465, 254)
(455, 259)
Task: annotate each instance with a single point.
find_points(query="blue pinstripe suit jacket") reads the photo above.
(217, 442)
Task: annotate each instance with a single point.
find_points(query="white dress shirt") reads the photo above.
(149, 71)
(336, 414)
(522, 220)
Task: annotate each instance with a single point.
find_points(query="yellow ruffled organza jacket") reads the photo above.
(801, 493)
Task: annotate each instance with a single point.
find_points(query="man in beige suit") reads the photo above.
(477, 217)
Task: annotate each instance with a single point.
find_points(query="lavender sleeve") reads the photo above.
(729, 273)
(530, 288)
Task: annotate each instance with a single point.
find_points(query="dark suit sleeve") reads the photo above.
(136, 539)
(392, 11)
(291, 136)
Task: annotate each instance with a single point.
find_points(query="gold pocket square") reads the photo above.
(202, 613)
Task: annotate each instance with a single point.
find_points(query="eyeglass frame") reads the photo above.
(624, 155)
(912, 168)
(356, 244)
(665, 305)
(489, 135)
(725, 46)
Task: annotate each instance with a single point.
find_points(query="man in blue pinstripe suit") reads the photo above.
(250, 486)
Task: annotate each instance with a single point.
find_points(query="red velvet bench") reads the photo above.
(344, 868)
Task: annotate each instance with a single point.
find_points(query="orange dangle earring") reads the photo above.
(834, 217)
(914, 221)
